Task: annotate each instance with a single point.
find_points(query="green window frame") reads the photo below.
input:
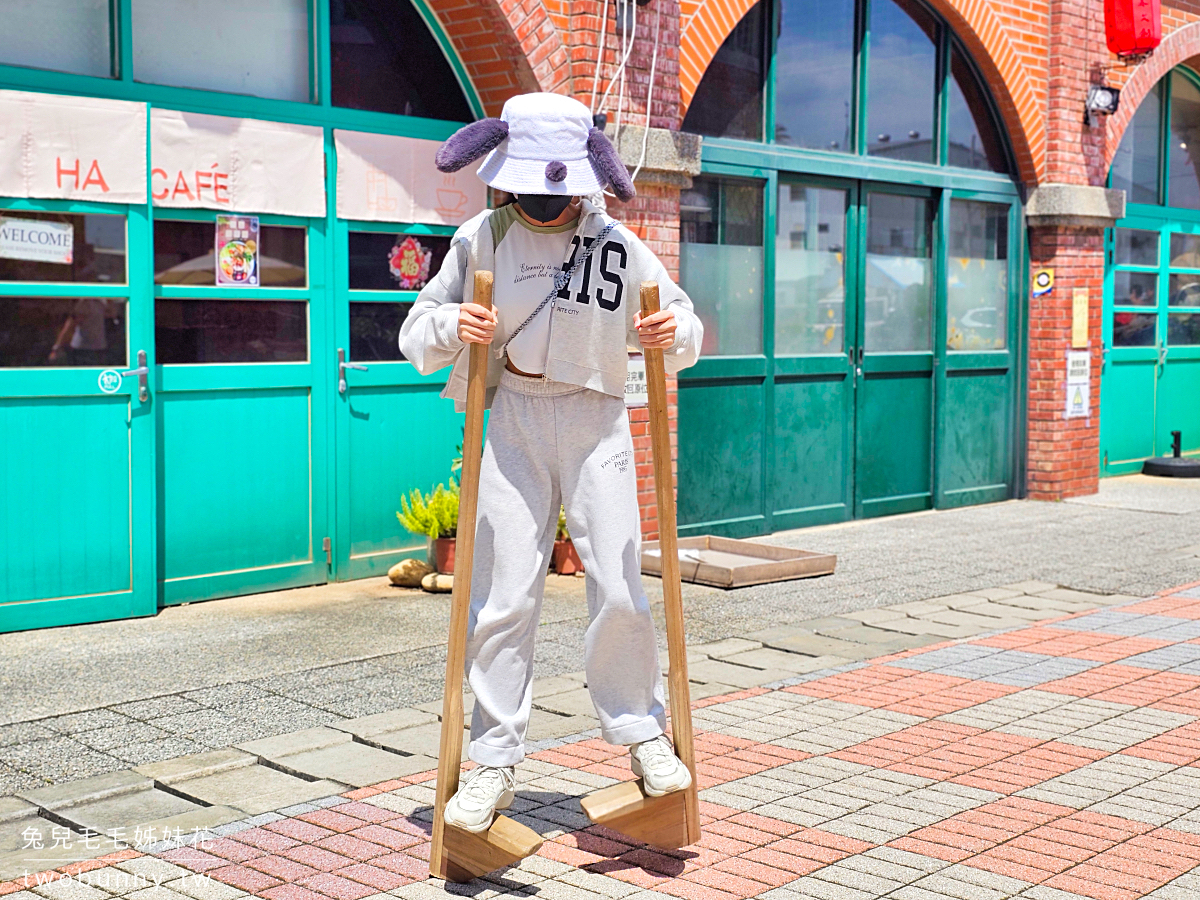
(1165, 88)
(834, 163)
(320, 111)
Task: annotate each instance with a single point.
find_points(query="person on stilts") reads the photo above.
(566, 280)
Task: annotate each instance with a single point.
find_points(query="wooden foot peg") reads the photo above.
(659, 821)
(468, 855)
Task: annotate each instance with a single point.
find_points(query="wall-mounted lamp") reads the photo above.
(1101, 101)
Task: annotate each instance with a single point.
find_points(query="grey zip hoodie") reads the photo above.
(589, 337)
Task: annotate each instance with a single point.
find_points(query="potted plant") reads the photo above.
(566, 558)
(434, 515)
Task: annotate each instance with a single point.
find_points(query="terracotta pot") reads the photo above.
(566, 558)
(443, 555)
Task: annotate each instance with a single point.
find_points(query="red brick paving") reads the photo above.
(359, 849)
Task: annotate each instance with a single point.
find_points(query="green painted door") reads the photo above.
(78, 452)
(242, 382)
(864, 365)
(894, 354)
(394, 432)
(1151, 375)
(815, 320)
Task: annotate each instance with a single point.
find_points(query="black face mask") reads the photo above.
(543, 207)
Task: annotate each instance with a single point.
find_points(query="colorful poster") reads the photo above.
(409, 262)
(237, 250)
(37, 240)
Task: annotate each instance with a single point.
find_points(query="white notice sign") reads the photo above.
(1079, 375)
(636, 392)
(37, 240)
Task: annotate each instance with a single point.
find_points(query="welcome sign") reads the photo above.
(37, 241)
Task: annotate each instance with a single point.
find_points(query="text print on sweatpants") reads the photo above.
(561, 439)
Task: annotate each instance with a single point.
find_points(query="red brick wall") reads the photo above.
(654, 217)
(1063, 454)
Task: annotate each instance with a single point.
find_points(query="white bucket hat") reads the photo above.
(541, 144)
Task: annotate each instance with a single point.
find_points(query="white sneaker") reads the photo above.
(659, 768)
(481, 792)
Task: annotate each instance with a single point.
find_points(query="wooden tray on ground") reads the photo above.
(728, 563)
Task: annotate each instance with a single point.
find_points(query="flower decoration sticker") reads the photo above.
(409, 263)
(237, 250)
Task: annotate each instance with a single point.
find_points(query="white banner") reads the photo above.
(246, 165)
(72, 148)
(37, 240)
(384, 178)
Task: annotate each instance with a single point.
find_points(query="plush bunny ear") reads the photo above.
(608, 166)
(469, 143)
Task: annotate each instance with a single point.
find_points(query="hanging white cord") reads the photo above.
(649, 94)
(600, 54)
(624, 68)
(624, 59)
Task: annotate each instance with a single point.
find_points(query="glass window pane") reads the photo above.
(974, 141)
(1183, 189)
(1185, 251)
(1183, 328)
(52, 331)
(1135, 288)
(899, 285)
(814, 66)
(729, 99)
(405, 262)
(95, 246)
(375, 331)
(903, 64)
(185, 253)
(721, 262)
(1185, 290)
(977, 277)
(225, 331)
(383, 58)
(810, 278)
(259, 48)
(1136, 247)
(63, 35)
(1135, 165)
(1132, 329)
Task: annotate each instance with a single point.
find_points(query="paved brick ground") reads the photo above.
(1049, 762)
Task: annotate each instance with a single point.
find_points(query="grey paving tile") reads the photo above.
(957, 654)
(1117, 621)
(1043, 671)
(1165, 657)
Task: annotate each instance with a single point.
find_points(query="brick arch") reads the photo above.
(506, 46)
(1177, 48)
(989, 44)
(703, 28)
(706, 24)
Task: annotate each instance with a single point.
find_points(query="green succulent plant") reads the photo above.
(434, 515)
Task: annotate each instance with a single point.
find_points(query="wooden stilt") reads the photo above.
(459, 855)
(672, 821)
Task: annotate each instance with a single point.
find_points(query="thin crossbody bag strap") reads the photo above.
(561, 280)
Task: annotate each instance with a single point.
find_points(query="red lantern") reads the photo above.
(1133, 27)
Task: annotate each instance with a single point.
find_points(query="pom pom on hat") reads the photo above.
(556, 171)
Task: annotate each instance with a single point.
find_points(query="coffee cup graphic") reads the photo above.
(451, 202)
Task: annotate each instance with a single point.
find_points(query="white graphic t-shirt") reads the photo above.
(527, 256)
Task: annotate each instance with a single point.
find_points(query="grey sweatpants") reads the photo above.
(550, 443)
